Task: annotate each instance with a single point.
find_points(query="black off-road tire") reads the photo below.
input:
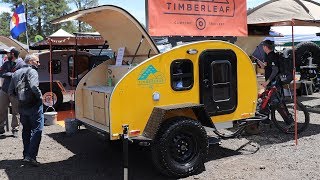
(175, 137)
(304, 47)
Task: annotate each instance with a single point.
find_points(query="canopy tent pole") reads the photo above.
(147, 15)
(294, 86)
(50, 73)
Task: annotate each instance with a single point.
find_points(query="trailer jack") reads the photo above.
(125, 148)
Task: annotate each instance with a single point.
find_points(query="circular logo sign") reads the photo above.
(201, 23)
(47, 100)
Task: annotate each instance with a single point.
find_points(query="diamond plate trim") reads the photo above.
(158, 114)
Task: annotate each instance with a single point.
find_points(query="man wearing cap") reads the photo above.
(31, 114)
(271, 65)
(6, 71)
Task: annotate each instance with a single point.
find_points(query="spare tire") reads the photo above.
(305, 50)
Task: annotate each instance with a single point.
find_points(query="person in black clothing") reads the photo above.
(271, 67)
(271, 64)
(13, 63)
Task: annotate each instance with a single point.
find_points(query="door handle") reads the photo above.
(206, 83)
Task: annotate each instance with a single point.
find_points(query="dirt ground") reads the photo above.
(269, 155)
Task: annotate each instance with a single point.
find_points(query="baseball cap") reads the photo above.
(12, 50)
(268, 42)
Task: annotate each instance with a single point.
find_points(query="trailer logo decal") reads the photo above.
(151, 76)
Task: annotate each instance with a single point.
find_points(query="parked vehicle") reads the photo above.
(164, 99)
(64, 76)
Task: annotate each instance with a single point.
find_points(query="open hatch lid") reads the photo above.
(11, 42)
(118, 27)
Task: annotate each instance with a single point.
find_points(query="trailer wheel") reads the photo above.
(57, 98)
(180, 147)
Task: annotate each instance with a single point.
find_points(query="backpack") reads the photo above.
(285, 67)
(24, 91)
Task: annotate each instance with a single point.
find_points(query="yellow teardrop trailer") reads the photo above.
(166, 99)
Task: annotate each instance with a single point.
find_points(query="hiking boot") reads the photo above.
(266, 122)
(25, 159)
(290, 126)
(34, 162)
(31, 161)
(15, 133)
(2, 131)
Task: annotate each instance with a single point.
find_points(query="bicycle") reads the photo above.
(282, 110)
(272, 101)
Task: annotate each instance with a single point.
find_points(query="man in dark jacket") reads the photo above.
(271, 65)
(31, 115)
(7, 69)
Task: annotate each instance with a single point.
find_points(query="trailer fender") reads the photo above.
(164, 113)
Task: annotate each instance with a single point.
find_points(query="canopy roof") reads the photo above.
(117, 26)
(281, 12)
(83, 42)
(61, 33)
(64, 40)
(8, 42)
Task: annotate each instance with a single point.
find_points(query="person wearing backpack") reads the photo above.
(271, 64)
(271, 67)
(13, 63)
(25, 86)
(278, 72)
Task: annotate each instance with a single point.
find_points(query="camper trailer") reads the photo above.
(67, 68)
(68, 65)
(165, 99)
(65, 75)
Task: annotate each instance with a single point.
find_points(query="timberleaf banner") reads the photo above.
(197, 17)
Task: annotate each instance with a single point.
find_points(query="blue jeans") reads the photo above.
(31, 133)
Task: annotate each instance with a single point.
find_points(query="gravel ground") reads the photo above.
(269, 155)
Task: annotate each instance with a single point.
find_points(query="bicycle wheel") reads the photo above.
(284, 120)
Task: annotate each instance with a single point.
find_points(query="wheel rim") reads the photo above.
(183, 148)
(46, 99)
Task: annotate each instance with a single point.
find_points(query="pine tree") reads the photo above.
(39, 14)
(4, 24)
(84, 4)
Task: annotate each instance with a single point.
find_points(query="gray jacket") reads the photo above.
(7, 70)
(34, 84)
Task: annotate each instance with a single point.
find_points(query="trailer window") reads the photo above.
(77, 68)
(221, 73)
(56, 66)
(181, 74)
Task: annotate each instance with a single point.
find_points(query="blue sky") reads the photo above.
(137, 9)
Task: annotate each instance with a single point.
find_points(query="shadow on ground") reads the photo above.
(93, 159)
(271, 135)
(97, 159)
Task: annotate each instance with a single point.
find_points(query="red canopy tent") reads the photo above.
(63, 40)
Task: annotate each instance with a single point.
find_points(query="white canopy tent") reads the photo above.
(302, 33)
(286, 13)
